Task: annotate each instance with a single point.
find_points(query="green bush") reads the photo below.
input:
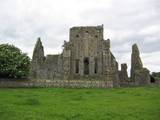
(13, 63)
(156, 75)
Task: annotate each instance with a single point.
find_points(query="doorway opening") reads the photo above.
(96, 66)
(77, 66)
(86, 66)
(152, 79)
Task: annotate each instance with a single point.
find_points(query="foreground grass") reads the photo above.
(80, 104)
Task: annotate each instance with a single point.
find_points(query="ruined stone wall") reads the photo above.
(49, 67)
(56, 83)
(52, 67)
(123, 75)
(86, 43)
(66, 62)
(139, 74)
(86, 55)
(37, 60)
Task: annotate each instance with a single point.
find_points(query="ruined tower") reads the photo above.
(88, 55)
(139, 74)
(86, 50)
(37, 59)
(123, 75)
(45, 67)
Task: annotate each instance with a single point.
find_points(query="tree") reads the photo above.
(13, 63)
(156, 75)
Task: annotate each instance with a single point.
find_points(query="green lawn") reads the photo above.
(141, 103)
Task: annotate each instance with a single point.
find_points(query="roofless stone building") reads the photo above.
(86, 55)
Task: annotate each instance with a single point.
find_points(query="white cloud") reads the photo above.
(152, 60)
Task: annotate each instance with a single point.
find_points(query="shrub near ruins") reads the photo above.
(156, 75)
(13, 63)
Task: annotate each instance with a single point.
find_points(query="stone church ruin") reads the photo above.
(87, 56)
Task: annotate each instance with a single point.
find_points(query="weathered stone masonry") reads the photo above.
(86, 56)
(139, 74)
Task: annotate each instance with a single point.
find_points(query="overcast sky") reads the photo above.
(125, 22)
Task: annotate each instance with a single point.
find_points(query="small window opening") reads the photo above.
(77, 66)
(96, 66)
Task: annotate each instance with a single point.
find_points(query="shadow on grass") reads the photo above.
(29, 101)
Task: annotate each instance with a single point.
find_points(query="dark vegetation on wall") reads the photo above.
(13, 63)
(156, 75)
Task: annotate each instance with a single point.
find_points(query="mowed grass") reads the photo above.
(139, 103)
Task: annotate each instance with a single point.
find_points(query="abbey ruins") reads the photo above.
(87, 55)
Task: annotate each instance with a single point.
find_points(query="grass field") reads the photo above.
(141, 103)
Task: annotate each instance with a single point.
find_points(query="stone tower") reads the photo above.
(87, 54)
(38, 53)
(37, 59)
(123, 75)
(139, 74)
(86, 50)
(136, 62)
